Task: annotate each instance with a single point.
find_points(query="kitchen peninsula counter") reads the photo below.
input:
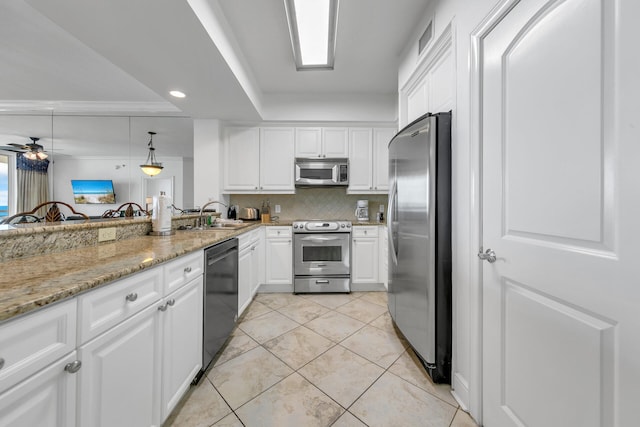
(29, 283)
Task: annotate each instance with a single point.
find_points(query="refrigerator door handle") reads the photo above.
(391, 219)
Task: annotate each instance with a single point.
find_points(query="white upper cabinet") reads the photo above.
(276, 159)
(258, 160)
(308, 142)
(360, 160)
(242, 159)
(368, 160)
(381, 138)
(335, 142)
(322, 143)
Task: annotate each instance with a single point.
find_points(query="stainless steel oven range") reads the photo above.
(321, 256)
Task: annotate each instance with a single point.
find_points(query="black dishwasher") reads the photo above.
(220, 298)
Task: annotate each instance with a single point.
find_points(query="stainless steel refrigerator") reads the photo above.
(419, 224)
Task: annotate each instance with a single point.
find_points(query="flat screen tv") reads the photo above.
(93, 191)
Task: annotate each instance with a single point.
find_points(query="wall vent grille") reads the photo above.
(425, 38)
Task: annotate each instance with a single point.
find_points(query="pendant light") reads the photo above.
(152, 167)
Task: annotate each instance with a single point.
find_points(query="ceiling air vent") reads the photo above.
(425, 38)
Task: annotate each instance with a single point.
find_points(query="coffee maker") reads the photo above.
(362, 210)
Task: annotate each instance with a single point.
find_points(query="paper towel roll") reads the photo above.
(161, 216)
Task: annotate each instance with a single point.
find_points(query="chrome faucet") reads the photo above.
(200, 221)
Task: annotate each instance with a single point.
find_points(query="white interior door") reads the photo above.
(560, 209)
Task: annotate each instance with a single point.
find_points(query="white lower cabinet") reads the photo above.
(250, 265)
(245, 269)
(47, 398)
(35, 388)
(278, 258)
(364, 254)
(181, 342)
(121, 355)
(120, 377)
(369, 263)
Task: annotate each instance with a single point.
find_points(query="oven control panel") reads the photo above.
(321, 226)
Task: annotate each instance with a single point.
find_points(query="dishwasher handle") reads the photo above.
(213, 258)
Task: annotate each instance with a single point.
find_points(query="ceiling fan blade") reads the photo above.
(20, 146)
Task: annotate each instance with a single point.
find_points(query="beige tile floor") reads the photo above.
(318, 360)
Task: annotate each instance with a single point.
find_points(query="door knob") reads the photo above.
(488, 255)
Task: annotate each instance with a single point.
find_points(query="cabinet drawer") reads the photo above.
(32, 342)
(104, 308)
(248, 238)
(277, 232)
(364, 231)
(182, 270)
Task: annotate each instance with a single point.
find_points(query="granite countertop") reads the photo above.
(29, 283)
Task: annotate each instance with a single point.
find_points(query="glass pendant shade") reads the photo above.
(35, 155)
(151, 167)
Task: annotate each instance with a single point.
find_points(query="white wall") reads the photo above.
(463, 16)
(126, 177)
(207, 162)
(376, 108)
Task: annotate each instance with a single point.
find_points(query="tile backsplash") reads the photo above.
(313, 203)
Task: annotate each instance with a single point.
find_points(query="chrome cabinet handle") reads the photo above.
(167, 304)
(73, 367)
(131, 297)
(488, 255)
(1, 363)
(322, 282)
(187, 269)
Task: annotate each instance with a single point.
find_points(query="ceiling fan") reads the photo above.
(32, 150)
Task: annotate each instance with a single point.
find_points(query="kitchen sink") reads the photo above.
(229, 225)
(216, 226)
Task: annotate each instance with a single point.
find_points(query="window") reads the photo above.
(6, 181)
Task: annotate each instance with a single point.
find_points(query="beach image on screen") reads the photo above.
(93, 191)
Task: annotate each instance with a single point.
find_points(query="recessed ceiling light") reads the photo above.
(312, 27)
(177, 94)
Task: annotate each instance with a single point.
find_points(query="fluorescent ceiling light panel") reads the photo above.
(312, 27)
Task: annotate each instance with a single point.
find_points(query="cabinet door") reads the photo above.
(360, 160)
(32, 342)
(381, 138)
(308, 142)
(245, 276)
(364, 254)
(47, 398)
(279, 261)
(276, 159)
(259, 268)
(242, 159)
(335, 142)
(182, 342)
(120, 376)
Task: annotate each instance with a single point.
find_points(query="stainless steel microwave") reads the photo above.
(321, 172)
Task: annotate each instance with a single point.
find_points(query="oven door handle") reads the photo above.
(321, 239)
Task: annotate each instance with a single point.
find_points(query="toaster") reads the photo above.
(249, 213)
